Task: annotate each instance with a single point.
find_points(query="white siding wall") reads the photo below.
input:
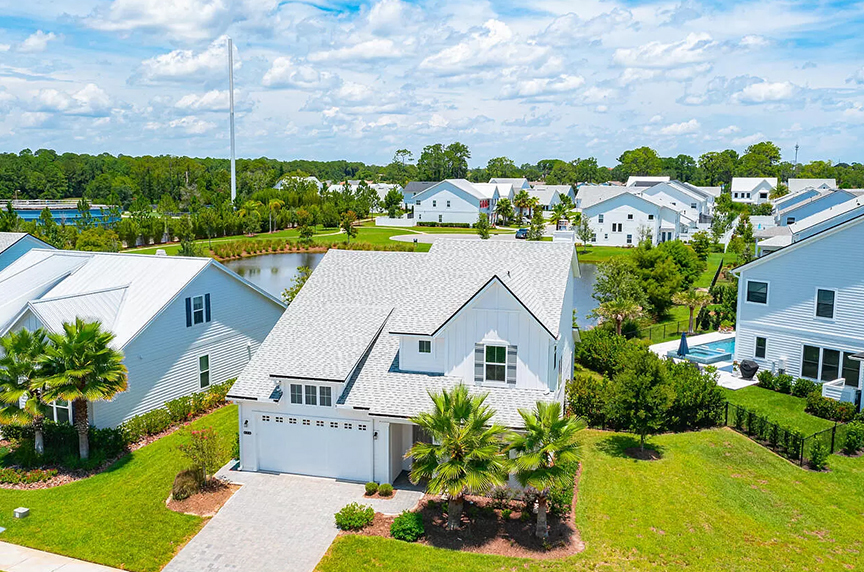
(682, 200)
(463, 207)
(616, 210)
(788, 320)
(163, 360)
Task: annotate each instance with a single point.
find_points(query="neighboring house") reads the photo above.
(333, 388)
(694, 203)
(791, 199)
(182, 323)
(797, 185)
(456, 201)
(313, 180)
(546, 197)
(517, 183)
(412, 189)
(778, 237)
(382, 189)
(642, 181)
(752, 190)
(823, 199)
(799, 308)
(620, 215)
(14, 245)
(545, 194)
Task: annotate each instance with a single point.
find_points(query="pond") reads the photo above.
(275, 272)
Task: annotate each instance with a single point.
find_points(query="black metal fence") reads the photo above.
(790, 443)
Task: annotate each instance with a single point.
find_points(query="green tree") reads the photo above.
(618, 311)
(457, 155)
(273, 207)
(640, 161)
(618, 279)
(718, 167)
(560, 211)
(22, 386)
(80, 367)
(432, 165)
(701, 244)
(482, 226)
(303, 274)
(347, 225)
(543, 454)
(584, 233)
(693, 299)
(504, 211)
(502, 168)
(537, 226)
(304, 224)
(392, 202)
(464, 456)
(760, 160)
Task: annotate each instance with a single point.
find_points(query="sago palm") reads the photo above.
(543, 453)
(465, 454)
(22, 387)
(80, 367)
(618, 311)
(693, 299)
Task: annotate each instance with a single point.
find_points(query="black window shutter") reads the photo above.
(188, 312)
(206, 307)
(478, 363)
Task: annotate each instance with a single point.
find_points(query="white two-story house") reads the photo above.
(456, 201)
(618, 216)
(799, 307)
(752, 190)
(333, 388)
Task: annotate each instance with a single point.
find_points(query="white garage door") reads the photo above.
(316, 446)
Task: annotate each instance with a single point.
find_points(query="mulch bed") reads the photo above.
(643, 455)
(65, 475)
(207, 502)
(378, 496)
(484, 530)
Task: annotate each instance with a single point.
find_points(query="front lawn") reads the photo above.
(715, 501)
(598, 254)
(117, 518)
(785, 410)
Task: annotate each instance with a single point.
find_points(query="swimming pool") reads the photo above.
(712, 352)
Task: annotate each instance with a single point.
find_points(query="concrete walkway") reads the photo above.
(14, 558)
(277, 523)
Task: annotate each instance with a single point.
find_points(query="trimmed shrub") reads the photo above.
(818, 455)
(698, 401)
(766, 379)
(783, 383)
(61, 445)
(560, 497)
(600, 350)
(385, 490)
(179, 409)
(445, 224)
(828, 408)
(803, 387)
(371, 488)
(12, 476)
(854, 440)
(186, 484)
(505, 513)
(354, 516)
(408, 526)
(586, 397)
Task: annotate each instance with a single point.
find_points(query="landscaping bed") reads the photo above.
(206, 503)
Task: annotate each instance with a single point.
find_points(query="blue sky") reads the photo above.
(529, 80)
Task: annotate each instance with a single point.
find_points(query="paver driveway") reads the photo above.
(276, 523)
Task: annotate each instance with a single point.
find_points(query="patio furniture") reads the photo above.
(748, 369)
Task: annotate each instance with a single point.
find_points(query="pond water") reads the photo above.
(275, 272)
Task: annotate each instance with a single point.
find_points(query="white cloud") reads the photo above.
(5, 47)
(855, 111)
(596, 94)
(213, 100)
(766, 92)
(188, 65)
(36, 42)
(656, 119)
(748, 140)
(91, 100)
(730, 130)
(684, 128)
(753, 41)
(192, 125)
(374, 49)
(286, 72)
(179, 19)
(570, 29)
(695, 48)
(857, 77)
(543, 86)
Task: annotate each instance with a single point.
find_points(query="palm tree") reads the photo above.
(465, 453)
(20, 379)
(693, 298)
(81, 366)
(560, 212)
(618, 310)
(522, 201)
(504, 210)
(275, 205)
(541, 454)
(533, 204)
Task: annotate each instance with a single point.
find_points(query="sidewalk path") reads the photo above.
(14, 558)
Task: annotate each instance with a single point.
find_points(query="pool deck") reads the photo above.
(725, 377)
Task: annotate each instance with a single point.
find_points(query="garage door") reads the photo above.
(317, 446)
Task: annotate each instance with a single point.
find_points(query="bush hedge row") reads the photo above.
(445, 224)
(236, 248)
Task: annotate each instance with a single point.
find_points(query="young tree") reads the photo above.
(303, 274)
(701, 243)
(694, 299)
(618, 279)
(21, 380)
(618, 311)
(304, 223)
(482, 226)
(639, 395)
(392, 202)
(347, 224)
(584, 233)
(465, 453)
(543, 453)
(273, 207)
(537, 227)
(81, 366)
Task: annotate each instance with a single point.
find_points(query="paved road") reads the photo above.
(276, 523)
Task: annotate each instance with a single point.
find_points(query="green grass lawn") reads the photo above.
(597, 254)
(117, 518)
(715, 501)
(781, 408)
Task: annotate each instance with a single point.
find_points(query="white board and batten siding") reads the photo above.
(463, 207)
(788, 321)
(163, 360)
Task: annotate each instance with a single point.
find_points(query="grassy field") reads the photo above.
(117, 518)
(597, 254)
(716, 501)
(783, 409)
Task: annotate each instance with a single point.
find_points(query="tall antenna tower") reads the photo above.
(231, 117)
(796, 158)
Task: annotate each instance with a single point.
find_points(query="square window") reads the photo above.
(292, 421)
(334, 425)
(325, 395)
(790, 220)
(265, 418)
(198, 309)
(757, 292)
(629, 217)
(319, 424)
(279, 420)
(417, 203)
(62, 411)
(760, 347)
(425, 346)
(650, 217)
(810, 362)
(496, 363)
(204, 371)
(296, 393)
(347, 426)
(692, 205)
(307, 422)
(311, 395)
(825, 303)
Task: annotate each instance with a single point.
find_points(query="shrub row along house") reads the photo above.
(354, 357)
(183, 324)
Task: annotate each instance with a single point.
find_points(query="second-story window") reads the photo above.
(448, 204)
(496, 363)
(757, 292)
(825, 303)
(629, 217)
(434, 204)
(600, 218)
(650, 217)
(425, 347)
(296, 393)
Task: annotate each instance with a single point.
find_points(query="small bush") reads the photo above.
(854, 440)
(12, 476)
(600, 350)
(385, 490)
(560, 497)
(783, 383)
(828, 408)
(205, 451)
(371, 488)
(501, 495)
(766, 379)
(408, 526)
(186, 484)
(505, 513)
(585, 395)
(803, 387)
(354, 516)
(818, 455)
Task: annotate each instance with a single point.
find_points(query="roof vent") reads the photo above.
(161, 252)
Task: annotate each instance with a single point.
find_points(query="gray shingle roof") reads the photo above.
(7, 239)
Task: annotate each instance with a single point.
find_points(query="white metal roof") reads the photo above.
(642, 181)
(747, 184)
(796, 185)
(544, 194)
